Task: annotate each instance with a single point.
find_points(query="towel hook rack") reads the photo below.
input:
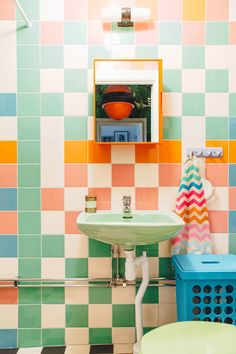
(211, 152)
(20, 8)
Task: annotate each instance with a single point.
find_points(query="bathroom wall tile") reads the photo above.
(193, 104)
(216, 33)
(52, 33)
(29, 268)
(29, 222)
(7, 104)
(52, 175)
(7, 10)
(216, 80)
(150, 3)
(170, 151)
(72, 29)
(232, 10)
(146, 33)
(53, 222)
(218, 221)
(29, 296)
(28, 104)
(48, 125)
(171, 55)
(100, 295)
(28, 56)
(216, 104)
(232, 243)
(172, 80)
(8, 175)
(123, 296)
(165, 267)
(29, 316)
(53, 316)
(193, 10)
(232, 198)
(217, 11)
(76, 268)
(75, 198)
(98, 249)
(220, 143)
(29, 199)
(9, 268)
(8, 32)
(8, 223)
(99, 267)
(75, 128)
(98, 153)
(70, 222)
(232, 174)
(76, 246)
(193, 80)
(99, 33)
(53, 336)
(8, 296)
(151, 295)
(232, 222)
(53, 246)
(232, 152)
(75, 10)
(77, 336)
(76, 295)
(122, 154)
(8, 316)
(28, 80)
(172, 104)
(216, 128)
(100, 175)
(216, 57)
(150, 315)
(100, 335)
(117, 194)
(75, 56)
(47, 10)
(52, 104)
(172, 128)
(52, 80)
(29, 338)
(146, 153)
(77, 315)
(97, 51)
(197, 131)
(76, 104)
(8, 338)
(8, 246)
(220, 201)
(167, 314)
(52, 151)
(8, 80)
(143, 51)
(8, 128)
(232, 128)
(27, 37)
(170, 10)
(52, 199)
(193, 57)
(28, 128)
(123, 334)
(121, 35)
(193, 33)
(100, 315)
(103, 197)
(220, 243)
(8, 57)
(232, 36)
(75, 80)
(123, 315)
(53, 268)
(170, 33)
(76, 175)
(52, 57)
(146, 175)
(28, 152)
(123, 175)
(217, 174)
(169, 174)
(151, 250)
(146, 198)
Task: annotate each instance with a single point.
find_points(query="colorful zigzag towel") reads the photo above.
(192, 208)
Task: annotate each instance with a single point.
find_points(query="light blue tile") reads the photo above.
(8, 246)
(8, 338)
(7, 104)
(8, 199)
(232, 128)
(232, 221)
(232, 175)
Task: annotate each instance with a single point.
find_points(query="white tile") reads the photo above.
(150, 315)
(153, 268)
(52, 222)
(123, 348)
(8, 316)
(232, 80)
(8, 56)
(76, 104)
(232, 57)
(172, 104)
(220, 243)
(193, 128)
(100, 315)
(99, 267)
(52, 10)
(232, 10)
(167, 197)
(167, 295)
(219, 200)
(216, 57)
(7, 32)
(122, 51)
(122, 335)
(52, 80)
(52, 127)
(8, 130)
(35, 350)
(193, 80)
(77, 336)
(75, 56)
(75, 199)
(82, 349)
(146, 175)
(117, 194)
(171, 56)
(76, 295)
(165, 249)
(53, 316)
(123, 295)
(90, 81)
(123, 154)
(76, 246)
(52, 175)
(8, 268)
(8, 80)
(90, 128)
(99, 175)
(167, 314)
(216, 104)
(52, 151)
(53, 268)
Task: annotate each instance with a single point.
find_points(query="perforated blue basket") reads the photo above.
(206, 287)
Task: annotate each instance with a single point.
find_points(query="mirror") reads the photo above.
(127, 100)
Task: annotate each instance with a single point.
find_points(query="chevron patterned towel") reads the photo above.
(192, 208)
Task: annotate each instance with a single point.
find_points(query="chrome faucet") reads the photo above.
(127, 206)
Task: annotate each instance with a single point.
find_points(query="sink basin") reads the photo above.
(145, 227)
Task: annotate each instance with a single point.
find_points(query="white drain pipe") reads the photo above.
(20, 8)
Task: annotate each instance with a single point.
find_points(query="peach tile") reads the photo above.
(99, 33)
(218, 221)
(146, 198)
(75, 151)
(217, 10)
(145, 153)
(103, 197)
(76, 10)
(7, 10)
(8, 175)
(8, 151)
(8, 295)
(52, 198)
(75, 175)
(232, 151)
(146, 33)
(123, 175)
(170, 151)
(170, 10)
(169, 175)
(152, 4)
(193, 33)
(232, 198)
(98, 153)
(217, 174)
(52, 33)
(95, 8)
(218, 143)
(193, 10)
(232, 34)
(70, 222)
(8, 222)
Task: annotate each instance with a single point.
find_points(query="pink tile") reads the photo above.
(8, 176)
(7, 10)
(75, 175)
(170, 10)
(70, 222)
(217, 174)
(232, 198)
(103, 197)
(8, 222)
(52, 198)
(8, 295)
(146, 33)
(218, 220)
(95, 8)
(98, 32)
(169, 175)
(76, 10)
(193, 33)
(232, 34)
(217, 10)
(52, 33)
(123, 175)
(146, 198)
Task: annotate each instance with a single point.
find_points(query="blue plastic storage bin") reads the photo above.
(206, 287)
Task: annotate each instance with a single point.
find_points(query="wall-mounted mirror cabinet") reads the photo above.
(127, 100)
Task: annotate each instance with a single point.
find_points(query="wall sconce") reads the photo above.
(126, 16)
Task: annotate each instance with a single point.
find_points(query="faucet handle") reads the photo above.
(126, 200)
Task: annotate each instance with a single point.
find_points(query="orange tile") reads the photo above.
(103, 197)
(75, 175)
(8, 295)
(169, 175)
(232, 198)
(193, 10)
(8, 152)
(145, 153)
(75, 151)
(146, 198)
(7, 10)
(217, 10)
(8, 176)
(170, 151)
(232, 151)
(98, 153)
(52, 198)
(217, 174)
(8, 222)
(218, 143)
(70, 222)
(218, 220)
(123, 175)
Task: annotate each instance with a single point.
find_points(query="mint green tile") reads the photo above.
(217, 128)
(28, 199)
(76, 315)
(216, 80)
(52, 57)
(172, 128)
(28, 152)
(123, 315)
(29, 296)
(148, 329)
(29, 268)
(170, 32)
(143, 51)
(29, 338)
(32, 9)
(172, 80)
(75, 128)
(76, 268)
(28, 56)
(90, 104)
(75, 32)
(29, 222)
(28, 175)
(216, 33)
(100, 336)
(28, 128)
(100, 296)
(124, 35)
(53, 246)
(150, 296)
(151, 250)
(29, 246)
(96, 52)
(232, 243)
(53, 295)
(28, 104)
(193, 57)
(232, 104)
(29, 316)
(53, 336)
(28, 80)
(121, 266)
(99, 249)
(27, 35)
(165, 267)
(52, 104)
(193, 104)
(76, 80)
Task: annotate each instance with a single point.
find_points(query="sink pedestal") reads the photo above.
(130, 274)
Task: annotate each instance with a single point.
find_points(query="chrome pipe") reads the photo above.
(77, 279)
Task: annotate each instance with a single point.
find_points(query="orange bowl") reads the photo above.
(118, 110)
